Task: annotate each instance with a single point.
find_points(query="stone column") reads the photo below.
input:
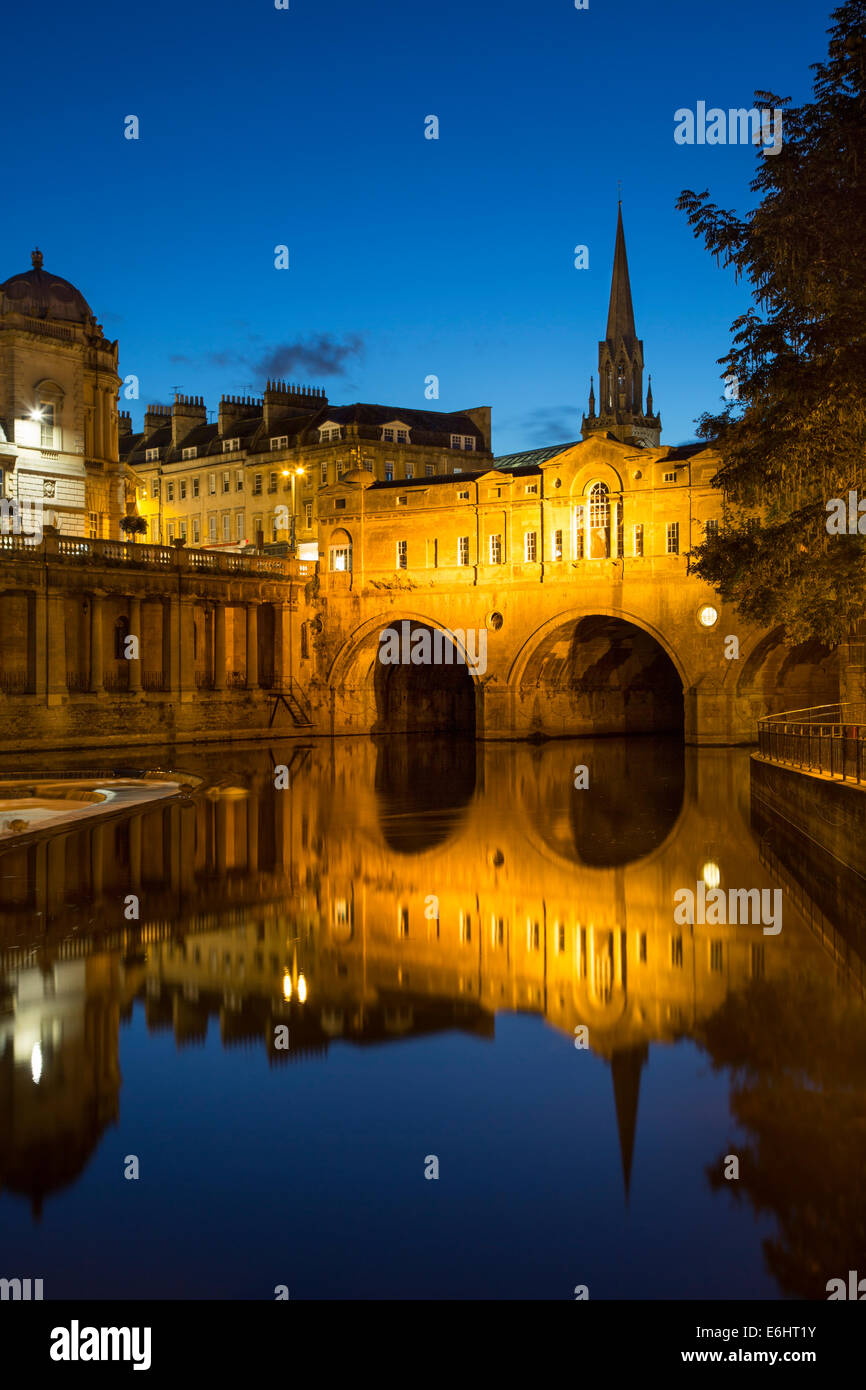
(96, 643)
(219, 646)
(252, 645)
(135, 631)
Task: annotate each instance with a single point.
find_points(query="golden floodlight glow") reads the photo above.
(36, 1062)
(708, 616)
(287, 986)
(302, 988)
(711, 874)
(36, 413)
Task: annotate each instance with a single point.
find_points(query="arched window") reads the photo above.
(598, 546)
(340, 552)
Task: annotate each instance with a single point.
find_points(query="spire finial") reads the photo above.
(619, 190)
(36, 258)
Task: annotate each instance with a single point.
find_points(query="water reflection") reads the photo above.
(406, 888)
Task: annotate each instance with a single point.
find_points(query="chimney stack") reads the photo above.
(186, 414)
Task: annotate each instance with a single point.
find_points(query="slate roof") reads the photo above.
(532, 456)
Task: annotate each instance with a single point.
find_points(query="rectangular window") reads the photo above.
(367, 463)
(389, 472)
(257, 485)
(557, 545)
(308, 514)
(151, 455)
(670, 477)
(170, 531)
(226, 482)
(620, 533)
(257, 527)
(402, 556)
(93, 525)
(239, 481)
(211, 484)
(677, 952)
(673, 538)
(230, 444)
(183, 530)
(531, 489)
(638, 539)
(429, 470)
(456, 440)
(410, 470)
(712, 528)
(341, 557)
(183, 489)
(154, 488)
(227, 526)
(195, 487)
(496, 550)
(324, 474)
(211, 528)
(432, 554)
(239, 526)
(530, 547)
(196, 530)
(468, 442)
(169, 492)
(46, 428)
(189, 453)
(340, 466)
(463, 550)
(272, 482)
(463, 495)
(402, 436)
(280, 442)
(401, 501)
(388, 436)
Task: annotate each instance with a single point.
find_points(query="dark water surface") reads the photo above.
(314, 908)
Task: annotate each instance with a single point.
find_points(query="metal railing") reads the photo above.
(830, 739)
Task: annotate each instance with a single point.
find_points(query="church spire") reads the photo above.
(620, 366)
(620, 314)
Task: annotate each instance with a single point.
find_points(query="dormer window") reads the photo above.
(151, 455)
(229, 445)
(280, 441)
(329, 432)
(190, 453)
(395, 432)
(456, 441)
(468, 442)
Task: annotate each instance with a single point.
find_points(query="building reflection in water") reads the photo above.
(400, 888)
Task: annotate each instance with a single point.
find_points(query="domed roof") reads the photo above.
(40, 294)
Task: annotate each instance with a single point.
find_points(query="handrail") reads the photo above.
(833, 747)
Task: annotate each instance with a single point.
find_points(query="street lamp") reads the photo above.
(297, 473)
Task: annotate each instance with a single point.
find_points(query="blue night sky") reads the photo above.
(407, 256)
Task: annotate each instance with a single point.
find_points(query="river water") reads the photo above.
(414, 1019)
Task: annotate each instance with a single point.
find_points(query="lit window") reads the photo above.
(557, 545)
(171, 531)
(189, 453)
(230, 444)
(211, 483)
(496, 550)
(308, 514)
(281, 441)
(340, 558)
(93, 525)
(151, 455)
(529, 547)
(463, 550)
(389, 472)
(673, 538)
(531, 489)
(402, 557)
(46, 425)
(638, 539)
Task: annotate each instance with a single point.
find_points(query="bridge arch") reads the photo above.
(598, 670)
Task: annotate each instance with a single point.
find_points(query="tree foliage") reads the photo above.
(796, 435)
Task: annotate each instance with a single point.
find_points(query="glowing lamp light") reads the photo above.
(708, 616)
(287, 986)
(711, 874)
(37, 414)
(36, 1063)
(302, 988)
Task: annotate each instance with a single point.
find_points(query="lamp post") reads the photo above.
(296, 473)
